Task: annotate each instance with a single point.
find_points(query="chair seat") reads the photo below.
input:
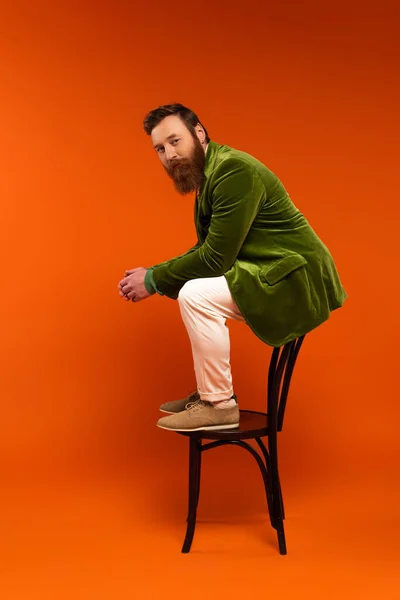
(252, 424)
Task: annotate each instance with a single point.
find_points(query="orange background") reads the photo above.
(94, 495)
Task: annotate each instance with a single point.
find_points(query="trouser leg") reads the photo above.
(205, 304)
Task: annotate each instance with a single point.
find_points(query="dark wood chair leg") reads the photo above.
(278, 502)
(199, 475)
(270, 502)
(268, 483)
(194, 487)
(281, 537)
(276, 490)
(281, 506)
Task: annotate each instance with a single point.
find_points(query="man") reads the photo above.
(256, 260)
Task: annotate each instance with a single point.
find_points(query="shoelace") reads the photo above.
(195, 405)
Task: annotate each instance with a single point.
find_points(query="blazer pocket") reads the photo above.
(281, 268)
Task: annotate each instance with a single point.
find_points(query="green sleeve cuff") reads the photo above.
(149, 283)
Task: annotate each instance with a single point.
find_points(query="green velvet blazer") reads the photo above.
(281, 275)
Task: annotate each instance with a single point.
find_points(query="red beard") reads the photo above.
(188, 173)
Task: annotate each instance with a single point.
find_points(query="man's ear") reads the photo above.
(200, 133)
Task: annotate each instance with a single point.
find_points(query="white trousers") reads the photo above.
(205, 304)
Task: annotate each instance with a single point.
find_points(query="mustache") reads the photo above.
(181, 161)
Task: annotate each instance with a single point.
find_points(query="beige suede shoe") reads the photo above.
(176, 406)
(199, 415)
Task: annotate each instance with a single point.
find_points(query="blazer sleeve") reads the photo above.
(237, 195)
(172, 260)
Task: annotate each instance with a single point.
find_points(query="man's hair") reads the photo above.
(154, 117)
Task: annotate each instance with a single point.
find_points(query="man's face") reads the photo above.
(181, 153)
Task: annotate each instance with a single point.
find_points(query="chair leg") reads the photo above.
(199, 474)
(198, 481)
(277, 494)
(268, 484)
(281, 506)
(278, 508)
(281, 537)
(194, 488)
(270, 502)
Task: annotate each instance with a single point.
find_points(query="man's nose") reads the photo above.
(170, 153)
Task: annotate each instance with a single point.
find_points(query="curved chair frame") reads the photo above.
(267, 425)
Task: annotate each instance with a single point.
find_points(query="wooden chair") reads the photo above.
(253, 426)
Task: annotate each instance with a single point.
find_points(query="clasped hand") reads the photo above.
(132, 287)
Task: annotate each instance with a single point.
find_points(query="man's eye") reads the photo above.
(159, 150)
(173, 141)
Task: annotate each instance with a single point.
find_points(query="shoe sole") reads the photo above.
(205, 428)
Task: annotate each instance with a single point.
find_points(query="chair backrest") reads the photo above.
(279, 375)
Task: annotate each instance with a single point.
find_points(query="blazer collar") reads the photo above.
(211, 155)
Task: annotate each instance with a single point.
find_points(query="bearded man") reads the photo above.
(256, 260)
